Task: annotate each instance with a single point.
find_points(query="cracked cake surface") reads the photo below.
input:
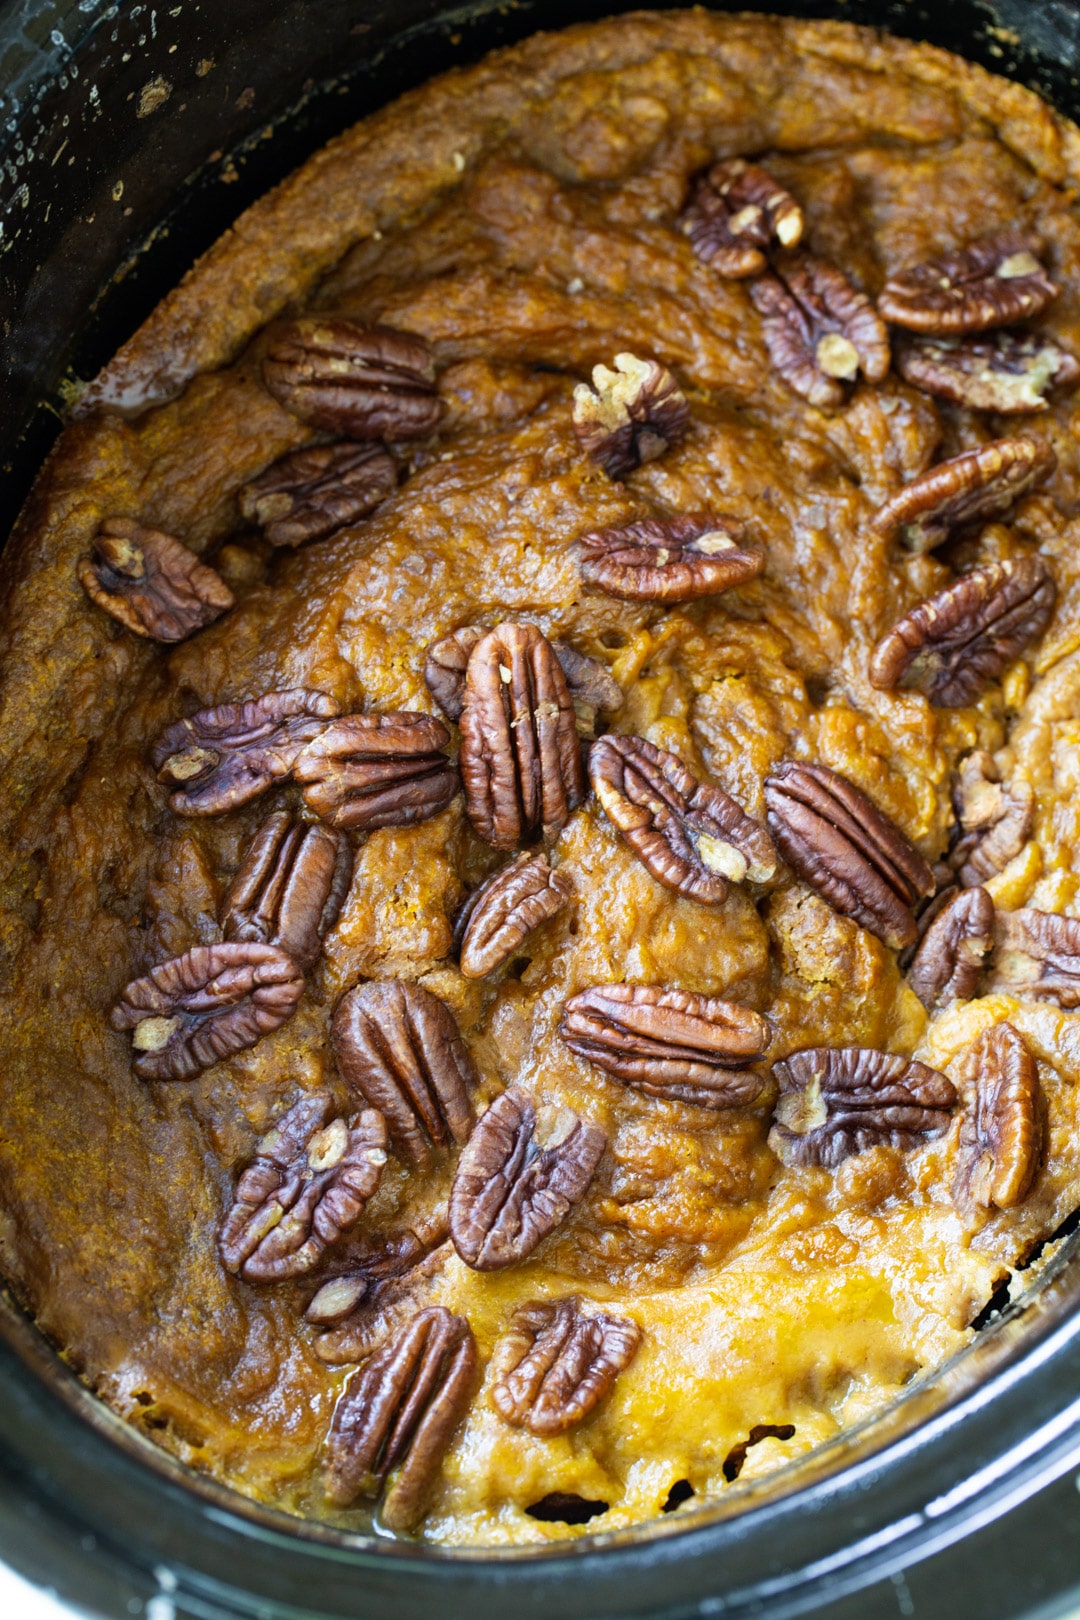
(539, 698)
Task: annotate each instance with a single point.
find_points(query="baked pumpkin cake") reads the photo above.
(541, 718)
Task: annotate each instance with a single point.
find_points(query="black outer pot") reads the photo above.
(124, 157)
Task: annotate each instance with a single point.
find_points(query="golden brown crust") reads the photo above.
(547, 249)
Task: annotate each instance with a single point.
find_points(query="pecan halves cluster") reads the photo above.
(505, 910)
(196, 1009)
(289, 888)
(995, 819)
(974, 487)
(957, 641)
(630, 415)
(736, 212)
(223, 757)
(365, 382)
(152, 583)
(670, 559)
(819, 330)
(690, 835)
(518, 1177)
(838, 841)
(377, 770)
(558, 1361)
(1037, 954)
(398, 1412)
(954, 945)
(592, 689)
(835, 1101)
(307, 1186)
(995, 281)
(312, 493)
(1002, 1133)
(520, 758)
(669, 1043)
(399, 1047)
(1008, 372)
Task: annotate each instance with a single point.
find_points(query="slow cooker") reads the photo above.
(123, 159)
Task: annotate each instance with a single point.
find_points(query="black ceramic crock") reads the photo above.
(122, 159)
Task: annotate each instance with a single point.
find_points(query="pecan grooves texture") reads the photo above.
(970, 488)
(630, 415)
(952, 645)
(377, 770)
(593, 690)
(289, 888)
(839, 1101)
(670, 559)
(996, 281)
(669, 1043)
(1037, 954)
(518, 1177)
(312, 493)
(223, 757)
(736, 212)
(1009, 372)
(152, 583)
(365, 382)
(558, 1361)
(520, 759)
(310, 1179)
(399, 1047)
(690, 835)
(198, 1008)
(399, 1412)
(819, 330)
(835, 839)
(956, 942)
(505, 910)
(995, 819)
(1002, 1133)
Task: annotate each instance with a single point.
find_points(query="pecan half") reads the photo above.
(690, 835)
(392, 1302)
(736, 211)
(950, 646)
(838, 841)
(839, 1101)
(1037, 954)
(377, 770)
(670, 560)
(400, 1411)
(222, 757)
(367, 1269)
(504, 911)
(669, 1043)
(399, 1047)
(289, 888)
(1001, 1136)
(995, 819)
(366, 382)
(630, 415)
(311, 493)
(152, 583)
(518, 1177)
(1010, 372)
(970, 488)
(996, 281)
(198, 1008)
(593, 690)
(308, 1184)
(820, 332)
(950, 956)
(520, 760)
(558, 1361)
